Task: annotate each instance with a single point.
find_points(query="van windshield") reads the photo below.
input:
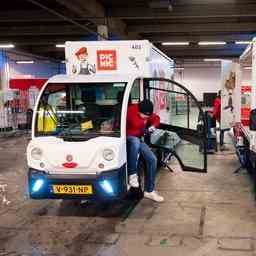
(80, 111)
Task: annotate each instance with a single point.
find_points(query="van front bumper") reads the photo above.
(109, 185)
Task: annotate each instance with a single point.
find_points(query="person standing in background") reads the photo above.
(210, 121)
(217, 115)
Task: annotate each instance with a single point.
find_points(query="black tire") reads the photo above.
(138, 193)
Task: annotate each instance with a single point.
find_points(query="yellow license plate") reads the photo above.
(73, 189)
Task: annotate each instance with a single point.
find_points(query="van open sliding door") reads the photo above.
(183, 124)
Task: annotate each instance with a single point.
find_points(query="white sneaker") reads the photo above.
(154, 196)
(134, 181)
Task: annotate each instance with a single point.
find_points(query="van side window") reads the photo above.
(173, 104)
(58, 100)
(135, 91)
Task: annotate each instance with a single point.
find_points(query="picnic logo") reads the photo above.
(106, 60)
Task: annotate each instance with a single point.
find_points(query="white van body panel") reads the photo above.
(116, 57)
(87, 154)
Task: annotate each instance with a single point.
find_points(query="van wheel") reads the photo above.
(138, 193)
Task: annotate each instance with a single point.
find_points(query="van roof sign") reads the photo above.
(107, 57)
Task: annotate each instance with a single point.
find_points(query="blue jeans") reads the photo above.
(210, 136)
(222, 136)
(134, 148)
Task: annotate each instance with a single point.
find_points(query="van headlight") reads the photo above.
(108, 154)
(37, 153)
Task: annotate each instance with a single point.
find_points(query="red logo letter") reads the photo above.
(106, 60)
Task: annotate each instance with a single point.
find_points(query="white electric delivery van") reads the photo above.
(78, 145)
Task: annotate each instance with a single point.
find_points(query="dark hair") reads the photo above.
(146, 107)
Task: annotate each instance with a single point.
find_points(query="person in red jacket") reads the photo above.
(217, 115)
(217, 107)
(139, 118)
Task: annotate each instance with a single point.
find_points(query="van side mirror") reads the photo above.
(252, 121)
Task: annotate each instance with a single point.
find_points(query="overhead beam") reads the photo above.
(93, 9)
(196, 38)
(41, 16)
(90, 7)
(194, 28)
(27, 16)
(232, 47)
(207, 10)
(201, 53)
(205, 2)
(41, 30)
(60, 15)
(45, 40)
(217, 11)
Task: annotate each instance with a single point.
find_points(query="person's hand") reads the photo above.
(152, 128)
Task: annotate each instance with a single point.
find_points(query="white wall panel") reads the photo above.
(200, 79)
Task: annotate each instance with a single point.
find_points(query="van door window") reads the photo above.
(135, 92)
(180, 117)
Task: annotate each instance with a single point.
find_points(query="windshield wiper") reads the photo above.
(67, 131)
(70, 136)
(77, 136)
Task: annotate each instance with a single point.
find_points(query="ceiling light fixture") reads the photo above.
(243, 42)
(60, 45)
(175, 43)
(212, 43)
(213, 60)
(161, 4)
(25, 62)
(7, 46)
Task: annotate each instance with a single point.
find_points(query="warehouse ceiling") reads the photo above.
(36, 26)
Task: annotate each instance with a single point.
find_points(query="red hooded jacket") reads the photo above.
(217, 108)
(136, 125)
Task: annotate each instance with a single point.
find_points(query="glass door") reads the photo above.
(183, 126)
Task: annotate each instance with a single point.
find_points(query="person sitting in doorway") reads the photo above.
(139, 117)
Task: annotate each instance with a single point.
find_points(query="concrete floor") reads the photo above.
(210, 214)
